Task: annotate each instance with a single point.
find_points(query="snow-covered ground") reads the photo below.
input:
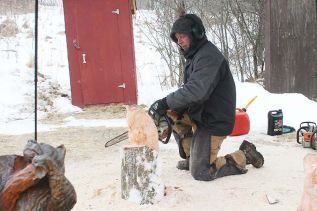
(281, 177)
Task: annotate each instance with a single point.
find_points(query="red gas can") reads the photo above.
(242, 123)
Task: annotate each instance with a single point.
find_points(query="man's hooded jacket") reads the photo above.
(208, 94)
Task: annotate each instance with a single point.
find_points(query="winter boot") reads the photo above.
(183, 164)
(252, 155)
(233, 166)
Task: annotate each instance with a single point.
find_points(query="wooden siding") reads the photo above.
(291, 47)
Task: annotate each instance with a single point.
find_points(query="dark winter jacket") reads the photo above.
(208, 94)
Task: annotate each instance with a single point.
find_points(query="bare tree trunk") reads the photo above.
(181, 10)
(237, 57)
(254, 36)
(223, 19)
(255, 63)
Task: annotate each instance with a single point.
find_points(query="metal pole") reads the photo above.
(35, 69)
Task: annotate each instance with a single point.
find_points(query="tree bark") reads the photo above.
(140, 179)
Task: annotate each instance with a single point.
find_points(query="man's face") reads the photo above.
(183, 40)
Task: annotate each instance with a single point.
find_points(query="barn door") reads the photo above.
(101, 42)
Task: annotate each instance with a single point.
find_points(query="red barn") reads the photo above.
(100, 51)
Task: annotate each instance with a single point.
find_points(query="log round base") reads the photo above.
(140, 175)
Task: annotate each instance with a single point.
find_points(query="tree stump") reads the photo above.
(140, 175)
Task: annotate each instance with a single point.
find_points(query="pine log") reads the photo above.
(140, 175)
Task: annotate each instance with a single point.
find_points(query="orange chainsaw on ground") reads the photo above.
(307, 135)
(162, 123)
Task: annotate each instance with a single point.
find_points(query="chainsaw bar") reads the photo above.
(117, 139)
(162, 123)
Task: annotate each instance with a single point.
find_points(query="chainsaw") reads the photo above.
(307, 135)
(162, 122)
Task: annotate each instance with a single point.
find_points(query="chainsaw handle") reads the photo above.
(313, 139)
(308, 124)
(156, 118)
(166, 140)
(306, 128)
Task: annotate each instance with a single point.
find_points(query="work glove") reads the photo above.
(160, 106)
